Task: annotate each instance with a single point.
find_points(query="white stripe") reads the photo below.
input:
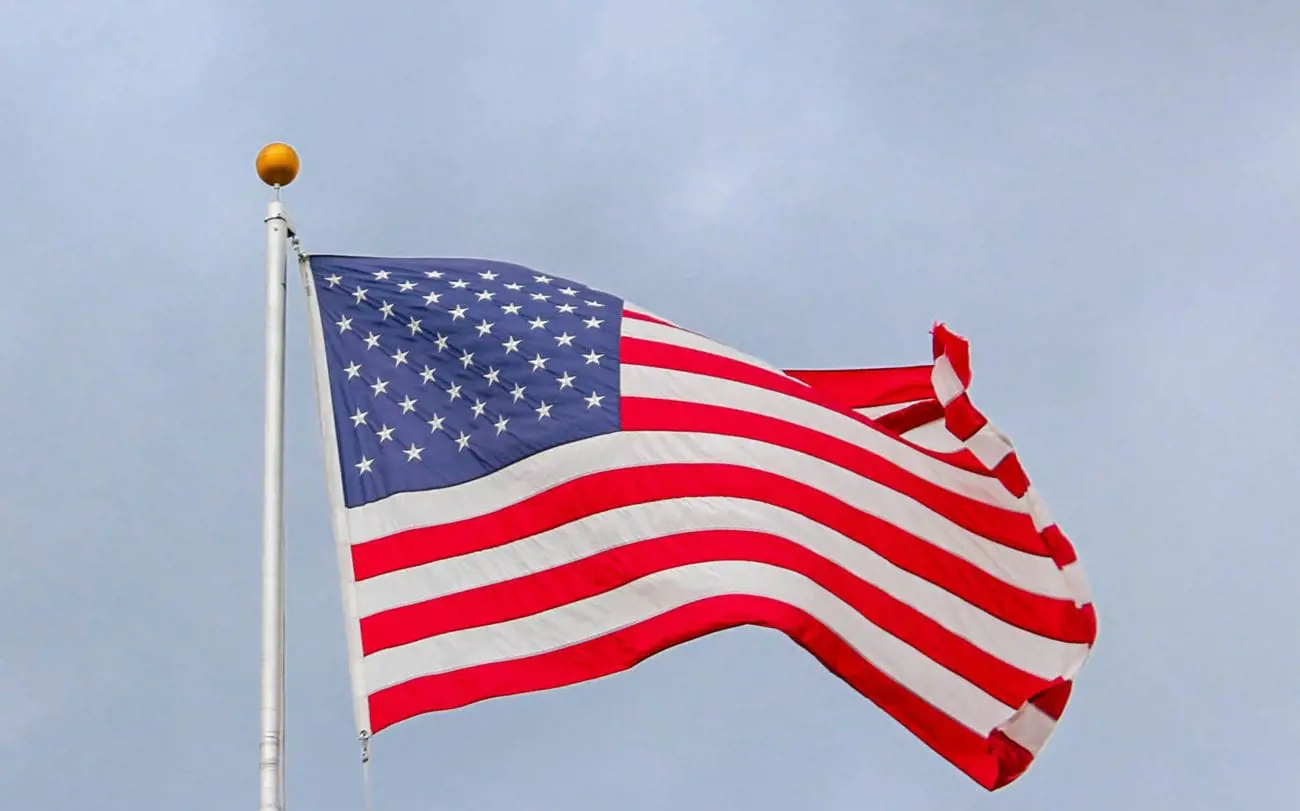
(639, 310)
(934, 436)
(1030, 727)
(664, 591)
(542, 471)
(670, 384)
(675, 336)
(1077, 583)
(989, 446)
(1038, 510)
(947, 385)
(628, 525)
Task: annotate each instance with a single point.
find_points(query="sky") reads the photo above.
(1103, 197)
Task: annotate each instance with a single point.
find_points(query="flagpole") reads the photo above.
(277, 166)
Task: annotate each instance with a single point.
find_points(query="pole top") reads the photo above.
(277, 164)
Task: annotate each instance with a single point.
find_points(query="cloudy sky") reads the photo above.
(1104, 197)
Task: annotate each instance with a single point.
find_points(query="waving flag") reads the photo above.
(536, 484)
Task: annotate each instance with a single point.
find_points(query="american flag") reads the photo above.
(536, 483)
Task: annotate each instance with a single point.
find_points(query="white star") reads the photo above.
(365, 464)
(385, 434)
(399, 357)
(564, 340)
(460, 284)
(454, 391)
(514, 286)
(484, 295)
(414, 326)
(487, 274)
(433, 274)
(478, 407)
(380, 387)
(427, 375)
(344, 324)
(466, 359)
(408, 405)
(381, 275)
(568, 291)
(594, 400)
(360, 294)
(517, 393)
(406, 287)
(565, 308)
(432, 299)
(359, 418)
(544, 410)
(334, 279)
(386, 309)
(537, 323)
(412, 453)
(501, 425)
(539, 297)
(510, 309)
(591, 357)
(435, 424)
(462, 441)
(492, 375)
(542, 279)
(372, 341)
(566, 380)
(539, 362)
(593, 304)
(511, 345)
(440, 342)
(458, 312)
(353, 369)
(593, 322)
(484, 328)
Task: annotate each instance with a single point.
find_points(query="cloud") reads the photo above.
(1102, 199)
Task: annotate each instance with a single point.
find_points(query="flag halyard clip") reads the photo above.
(367, 792)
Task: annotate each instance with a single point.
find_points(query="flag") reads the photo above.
(536, 483)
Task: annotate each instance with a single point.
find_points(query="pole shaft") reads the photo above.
(272, 743)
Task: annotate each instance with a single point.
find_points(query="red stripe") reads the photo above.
(963, 419)
(617, 567)
(647, 317)
(1062, 550)
(1006, 527)
(991, 762)
(911, 417)
(1052, 701)
(864, 388)
(1013, 477)
(600, 492)
(957, 349)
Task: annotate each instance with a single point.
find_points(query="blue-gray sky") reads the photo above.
(1104, 197)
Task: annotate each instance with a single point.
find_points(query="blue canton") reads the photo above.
(445, 370)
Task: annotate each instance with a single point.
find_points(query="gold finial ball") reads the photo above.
(277, 164)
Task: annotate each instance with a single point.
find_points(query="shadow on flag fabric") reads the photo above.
(535, 483)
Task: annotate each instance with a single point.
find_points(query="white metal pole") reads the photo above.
(272, 747)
